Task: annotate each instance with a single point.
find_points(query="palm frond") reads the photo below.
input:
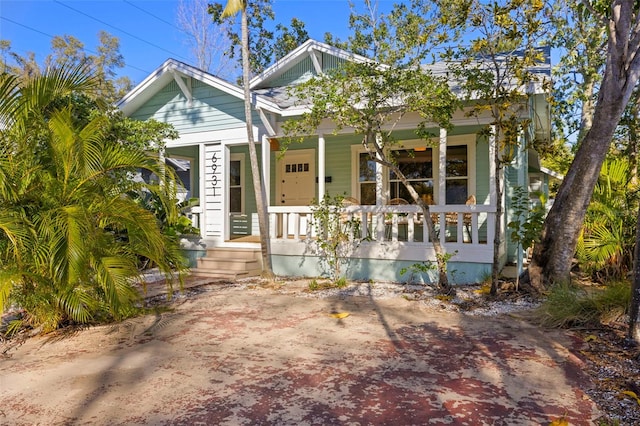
(604, 243)
(115, 279)
(10, 100)
(232, 7)
(8, 279)
(71, 231)
(78, 304)
(57, 83)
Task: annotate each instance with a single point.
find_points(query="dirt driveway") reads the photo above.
(237, 356)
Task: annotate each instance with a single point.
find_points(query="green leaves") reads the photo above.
(606, 244)
(528, 217)
(71, 230)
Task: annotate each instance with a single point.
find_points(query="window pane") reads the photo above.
(367, 168)
(456, 191)
(457, 161)
(424, 190)
(235, 200)
(414, 164)
(234, 173)
(368, 193)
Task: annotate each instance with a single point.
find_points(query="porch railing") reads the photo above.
(454, 224)
(193, 213)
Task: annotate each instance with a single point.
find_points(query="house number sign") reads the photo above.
(214, 178)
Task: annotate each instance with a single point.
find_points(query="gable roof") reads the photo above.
(171, 70)
(309, 49)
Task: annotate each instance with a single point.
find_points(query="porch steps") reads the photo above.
(228, 263)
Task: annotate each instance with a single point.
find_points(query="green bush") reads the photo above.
(569, 305)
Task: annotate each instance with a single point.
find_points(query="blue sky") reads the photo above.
(146, 41)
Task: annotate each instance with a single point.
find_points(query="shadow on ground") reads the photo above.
(253, 356)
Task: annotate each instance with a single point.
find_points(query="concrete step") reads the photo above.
(228, 263)
(233, 253)
(223, 274)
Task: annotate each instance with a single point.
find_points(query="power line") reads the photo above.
(152, 15)
(52, 37)
(121, 30)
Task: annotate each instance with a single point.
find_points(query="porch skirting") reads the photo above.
(379, 270)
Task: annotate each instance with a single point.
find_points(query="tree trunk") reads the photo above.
(258, 187)
(551, 261)
(497, 239)
(444, 286)
(634, 307)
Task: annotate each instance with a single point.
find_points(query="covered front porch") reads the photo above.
(386, 236)
(385, 239)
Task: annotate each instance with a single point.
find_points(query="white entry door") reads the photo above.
(297, 178)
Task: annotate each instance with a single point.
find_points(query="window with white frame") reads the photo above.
(417, 166)
(367, 179)
(236, 183)
(457, 174)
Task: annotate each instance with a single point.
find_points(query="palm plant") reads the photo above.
(70, 235)
(606, 244)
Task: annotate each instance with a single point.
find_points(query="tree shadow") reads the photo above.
(257, 356)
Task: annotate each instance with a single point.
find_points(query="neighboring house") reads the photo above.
(213, 159)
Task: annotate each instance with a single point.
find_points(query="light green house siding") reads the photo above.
(482, 171)
(304, 70)
(210, 109)
(338, 164)
(515, 176)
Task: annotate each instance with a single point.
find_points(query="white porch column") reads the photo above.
(442, 168)
(493, 191)
(202, 187)
(522, 167)
(266, 168)
(381, 197)
(381, 193)
(321, 167)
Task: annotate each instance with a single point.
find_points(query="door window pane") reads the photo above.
(235, 200)
(234, 173)
(235, 186)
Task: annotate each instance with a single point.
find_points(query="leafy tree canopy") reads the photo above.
(69, 51)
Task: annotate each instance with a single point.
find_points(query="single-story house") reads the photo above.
(212, 157)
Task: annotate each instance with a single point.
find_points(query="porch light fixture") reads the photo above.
(420, 149)
(274, 144)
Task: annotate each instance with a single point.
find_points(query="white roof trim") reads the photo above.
(267, 124)
(551, 173)
(316, 61)
(186, 90)
(172, 68)
(310, 46)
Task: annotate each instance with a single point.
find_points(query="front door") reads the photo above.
(297, 178)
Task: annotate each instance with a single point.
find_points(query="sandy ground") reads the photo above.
(232, 355)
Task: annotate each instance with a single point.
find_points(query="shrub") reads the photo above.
(569, 305)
